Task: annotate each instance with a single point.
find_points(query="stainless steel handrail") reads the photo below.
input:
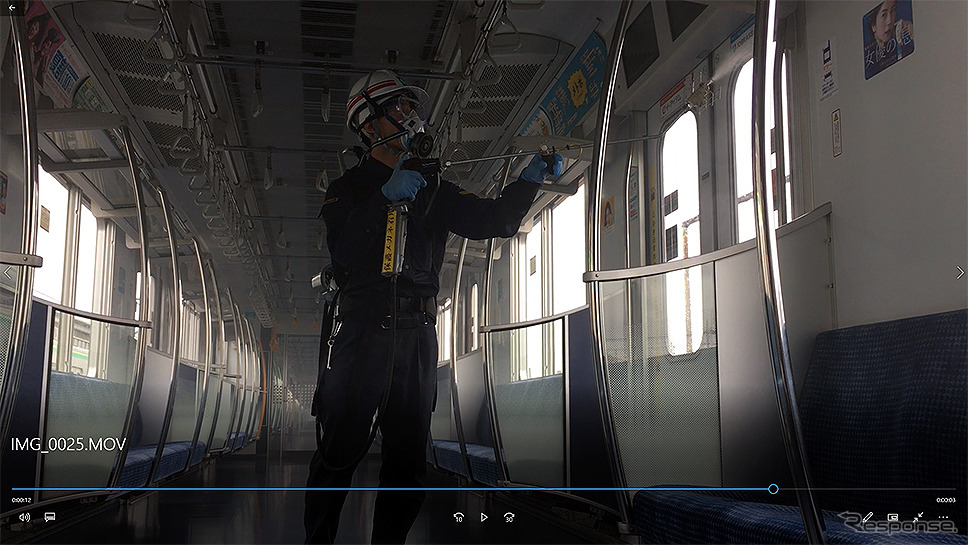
(208, 354)
(241, 345)
(143, 312)
(28, 242)
(240, 370)
(488, 368)
(254, 369)
(25, 260)
(593, 247)
(765, 20)
(127, 322)
(176, 303)
(633, 273)
(222, 356)
(529, 323)
(454, 395)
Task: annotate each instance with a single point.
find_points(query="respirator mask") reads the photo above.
(406, 114)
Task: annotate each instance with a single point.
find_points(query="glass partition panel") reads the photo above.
(205, 435)
(188, 398)
(531, 411)
(227, 405)
(664, 397)
(87, 402)
(8, 291)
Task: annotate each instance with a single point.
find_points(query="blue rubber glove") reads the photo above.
(403, 184)
(539, 169)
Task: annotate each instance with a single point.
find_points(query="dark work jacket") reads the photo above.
(355, 212)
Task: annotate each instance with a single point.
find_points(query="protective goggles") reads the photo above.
(399, 108)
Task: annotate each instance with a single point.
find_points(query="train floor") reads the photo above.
(276, 516)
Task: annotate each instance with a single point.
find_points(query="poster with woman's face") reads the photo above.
(43, 38)
(888, 35)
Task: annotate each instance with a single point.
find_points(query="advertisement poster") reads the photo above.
(574, 94)
(608, 213)
(888, 35)
(53, 60)
(633, 194)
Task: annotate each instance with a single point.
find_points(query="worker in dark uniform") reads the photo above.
(359, 389)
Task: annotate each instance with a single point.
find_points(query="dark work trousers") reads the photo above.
(352, 388)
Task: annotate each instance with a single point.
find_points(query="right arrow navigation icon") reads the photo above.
(961, 272)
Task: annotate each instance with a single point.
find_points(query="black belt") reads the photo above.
(426, 305)
(417, 304)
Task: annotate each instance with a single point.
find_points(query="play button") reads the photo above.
(483, 517)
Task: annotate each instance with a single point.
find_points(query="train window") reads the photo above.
(51, 238)
(531, 294)
(787, 178)
(680, 182)
(743, 147)
(531, 299)
(444, 316)
(86, 250)
(190, 333)
(568, 252)
(475, 309)
(743, 140)
(680, 185)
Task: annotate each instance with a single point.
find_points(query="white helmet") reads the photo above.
(371, 90)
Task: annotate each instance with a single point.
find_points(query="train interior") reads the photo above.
(739, 314)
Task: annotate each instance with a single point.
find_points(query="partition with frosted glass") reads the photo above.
(527, 363)
(94, 293)
(689, 379)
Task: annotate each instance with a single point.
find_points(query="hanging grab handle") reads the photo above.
(482, 62)
(466, 99)
(496, 41)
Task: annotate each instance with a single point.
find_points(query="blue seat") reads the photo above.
(95, 399)
(483, 463)
(199, 452)
(883, 406)
(137, 466)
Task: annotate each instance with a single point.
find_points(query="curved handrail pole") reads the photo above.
(222, 353)
(454, 396)
(28, 242)
(239, 374)
(593, 250)
(143, 310)
(770, 274)
(496, 440)
(209, 354)
(176, 303)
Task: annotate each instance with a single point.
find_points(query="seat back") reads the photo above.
(884, 406)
